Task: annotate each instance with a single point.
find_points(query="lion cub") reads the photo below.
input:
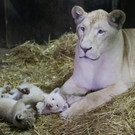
(18, 112)
(54, 102)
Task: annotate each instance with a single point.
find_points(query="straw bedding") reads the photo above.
(49, 67)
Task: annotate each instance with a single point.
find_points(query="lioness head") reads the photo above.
(96, 30)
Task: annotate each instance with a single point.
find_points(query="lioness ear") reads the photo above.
(78, 14)
(117, 18)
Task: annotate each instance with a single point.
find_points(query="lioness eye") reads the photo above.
(101, 31)
(82, 28)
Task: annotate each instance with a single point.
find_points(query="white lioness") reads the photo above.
(104, 59)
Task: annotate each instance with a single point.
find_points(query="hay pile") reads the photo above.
(40, 65)
(49, 67)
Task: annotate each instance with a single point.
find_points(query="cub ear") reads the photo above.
(19, 117)
(78, 14)
(117, 18)
(56, 90)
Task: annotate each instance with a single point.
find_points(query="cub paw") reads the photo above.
(39, 107)
(39, 98)
(24, 90)
(6, 96)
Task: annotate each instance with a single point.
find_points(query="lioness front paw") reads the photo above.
(74, 110)
(68, 113)
(64, 114)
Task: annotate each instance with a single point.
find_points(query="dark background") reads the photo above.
(36, 20)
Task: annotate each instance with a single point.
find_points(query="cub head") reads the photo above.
(54, 102)
(96, 31)
(25, 119)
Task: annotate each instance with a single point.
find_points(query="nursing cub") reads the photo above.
(104, 59)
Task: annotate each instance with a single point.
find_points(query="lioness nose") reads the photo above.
(86, 49)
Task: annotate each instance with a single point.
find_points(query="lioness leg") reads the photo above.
(70, 88)
(95, 99)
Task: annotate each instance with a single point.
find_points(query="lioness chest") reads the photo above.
(95, 75)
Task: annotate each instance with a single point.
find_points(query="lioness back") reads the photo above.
(129, 42)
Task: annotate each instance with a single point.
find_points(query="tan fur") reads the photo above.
(104, 59)
(18, 112)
